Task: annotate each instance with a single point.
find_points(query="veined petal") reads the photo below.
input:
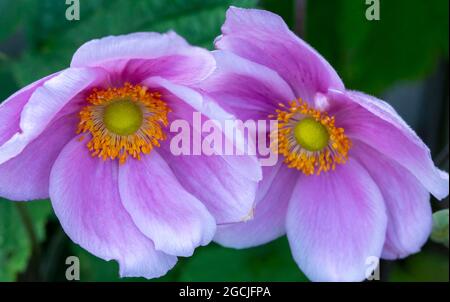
(228, 195)
(12, 107)
(185, 101)
(85, 196)
(246, 89)
(269, 217)
(376, 123)
(263, 37)
(335, 223)
(407, 203)
(26, 176)
(186, 96)
(136, 56)
(45, 104)
(176, 221)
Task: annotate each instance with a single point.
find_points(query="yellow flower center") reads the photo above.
(124, 121)
(122, 117)
(308, 139)
(311, 134)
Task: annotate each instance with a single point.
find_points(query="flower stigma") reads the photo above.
(311, 134)
(122, 117)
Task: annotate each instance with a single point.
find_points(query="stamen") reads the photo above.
(308, 139)
(125, 121)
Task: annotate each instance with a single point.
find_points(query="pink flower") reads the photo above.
(355, 179)
(94, 138)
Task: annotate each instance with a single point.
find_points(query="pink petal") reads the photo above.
(376, 123)
(162, 209)
(407, 203)
(11, 108)
(335, 222)
(246, 89)
(45, 104)
(136, 56)
(26, 176)
(228, 195)
(226, 185)
(264, 38)
(268, 222)
(85, 196)
(185, 101)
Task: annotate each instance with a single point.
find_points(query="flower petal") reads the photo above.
(263, 37)
(376, 123)
(11, 108)
(268, 222)
(335, 222)
(162, 209)
(26, 176)
(136, 56)
(228, 195)
(246, 89)
(407, 203)
(180, 96)
(185, 101)
(45, 104)
(225, 184)
(85, 196)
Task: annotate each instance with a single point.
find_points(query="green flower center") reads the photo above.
(311, 134)
(123, 117)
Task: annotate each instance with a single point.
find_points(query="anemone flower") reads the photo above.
(354, 179)
(93, 138)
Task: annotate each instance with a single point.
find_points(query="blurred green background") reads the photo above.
(402, 58)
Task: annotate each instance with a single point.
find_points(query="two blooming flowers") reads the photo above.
(353, 180)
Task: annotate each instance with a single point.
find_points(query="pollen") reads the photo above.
(123, 121)
(308, 138)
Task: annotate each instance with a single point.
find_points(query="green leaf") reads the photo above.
(440, 227)
(15, 242)
(6, 78)
(93, 268)
(405, 44)
(271, 262)
(199, 21)
(427, 266)
(9, 17)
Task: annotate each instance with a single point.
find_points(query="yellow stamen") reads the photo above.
(308, 139)
(124, 121)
